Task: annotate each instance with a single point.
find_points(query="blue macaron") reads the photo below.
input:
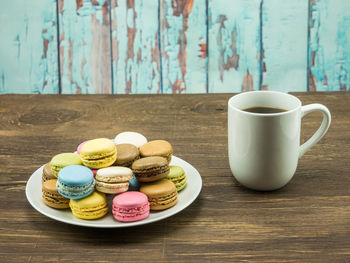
(75, 182)
(134, 184)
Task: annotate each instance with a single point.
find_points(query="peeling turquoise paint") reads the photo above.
(196, 58)
(234, 48)
(171, 27)
(284, 43)
(28, 53)
(342, 70)
(329, 53)
(183, 32)
(135, 50)
(75, 44)
(80, 30)
(165, 46)
(119, 45)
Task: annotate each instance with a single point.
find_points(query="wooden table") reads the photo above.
(306, 221)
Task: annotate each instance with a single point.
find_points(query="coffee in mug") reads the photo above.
(264, 137)
(264, 110)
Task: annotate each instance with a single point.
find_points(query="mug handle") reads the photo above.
(321, 130)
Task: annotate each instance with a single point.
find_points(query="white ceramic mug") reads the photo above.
(264, 148)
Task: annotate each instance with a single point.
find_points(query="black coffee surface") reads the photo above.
(264, 110)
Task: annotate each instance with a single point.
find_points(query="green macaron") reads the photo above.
(178, 177)
(62, 160)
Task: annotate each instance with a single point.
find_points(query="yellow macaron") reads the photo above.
(98, 153)
(93, 206)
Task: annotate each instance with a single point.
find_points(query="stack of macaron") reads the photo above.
(136, 171)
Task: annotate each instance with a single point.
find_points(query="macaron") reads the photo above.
(150, 169)
(75, 182)
(93, 206)
(134, 138)
(94, 171)
(130, 206)
(62, 160)
(157, 148)
(80, 146)
(98, 153)
(134, 184)
(178, 177)
(161, 194)
(47, 173)
(127, 154)
(79, 151)
(113, 179)
(51, 197)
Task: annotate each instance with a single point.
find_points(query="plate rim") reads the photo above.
(92, 223)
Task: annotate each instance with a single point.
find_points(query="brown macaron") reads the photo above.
(157, 148)
(127, 154)
(150, 169)
(51, 197)
(161, 194)
(47, 173)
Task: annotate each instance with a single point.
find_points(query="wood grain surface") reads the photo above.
(306, 221)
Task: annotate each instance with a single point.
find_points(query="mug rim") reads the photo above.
(246, 93)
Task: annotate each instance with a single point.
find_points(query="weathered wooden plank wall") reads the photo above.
(329, 45)
(174, 46)
(183, 35)
(135, 46)
(84, 45)
(284, 44)
(234, 45)
(28, 47)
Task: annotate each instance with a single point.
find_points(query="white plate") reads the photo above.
(186, 197)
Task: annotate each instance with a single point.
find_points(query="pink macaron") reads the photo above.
(130, 206)
(94, 171)
(80, 146)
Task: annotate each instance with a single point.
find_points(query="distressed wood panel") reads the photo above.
(161, 46)
(284, 43)
(329, 52)
(28, 49)
(85, 55)
(135, 46)
(234, 45)
(183, 34)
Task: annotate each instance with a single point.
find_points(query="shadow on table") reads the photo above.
(150, 233)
